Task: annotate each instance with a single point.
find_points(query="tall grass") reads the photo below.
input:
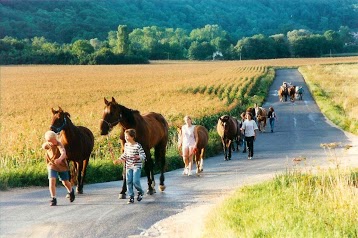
(335, 90)
(297, 203)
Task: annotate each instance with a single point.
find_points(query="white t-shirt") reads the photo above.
(188, 136)
(249, 127)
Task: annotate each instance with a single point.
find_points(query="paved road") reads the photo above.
(98, 213)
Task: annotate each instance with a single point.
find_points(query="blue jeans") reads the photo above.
(272, 123)
(133, 178)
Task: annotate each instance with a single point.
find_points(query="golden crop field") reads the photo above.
(172, 88)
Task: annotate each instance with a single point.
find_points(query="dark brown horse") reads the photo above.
(78, 142)
(292, 93)
(152, 132)
(201, 141)
(228, 129)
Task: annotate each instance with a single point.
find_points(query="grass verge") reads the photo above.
(293, 204)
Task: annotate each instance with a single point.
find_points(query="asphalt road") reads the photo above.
(300, 130)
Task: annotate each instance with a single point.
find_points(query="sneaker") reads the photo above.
(53, 202)
(71, 195)
(131, 200)
(139, 197)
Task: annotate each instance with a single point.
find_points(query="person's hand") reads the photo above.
(58, 161)
(117, 161)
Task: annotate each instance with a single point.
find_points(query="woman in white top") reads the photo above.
(249, 128)
(188, 144)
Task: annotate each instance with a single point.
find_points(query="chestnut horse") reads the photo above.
(152, 132)
(292, 93)
(201, 141)
(228, 129)
(261, 117)
(283, 93)
(78, 142)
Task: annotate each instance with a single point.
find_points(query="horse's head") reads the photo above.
(111, 116)
(223, 123)
(60, 120)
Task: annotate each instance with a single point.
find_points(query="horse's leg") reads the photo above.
(224, 148)
(229, 155)
(122, 194)
(201, 164)
(79, 166)
(83, 175)
(159, 153)
(148, 167)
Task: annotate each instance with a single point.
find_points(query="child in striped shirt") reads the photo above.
(133, 155)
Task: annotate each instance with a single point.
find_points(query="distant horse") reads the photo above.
(201, 141)
(261, 118)
(292, 93)
(283, 93)
(78, 142)
(228, 129)
(152, 132)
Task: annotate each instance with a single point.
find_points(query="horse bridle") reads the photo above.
(58, 129)
(111, 125)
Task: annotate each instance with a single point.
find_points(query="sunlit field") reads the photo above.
(335, 88)
(172, 88)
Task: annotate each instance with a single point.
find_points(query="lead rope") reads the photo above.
(110, 148)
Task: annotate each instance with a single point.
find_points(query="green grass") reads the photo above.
(293, 204)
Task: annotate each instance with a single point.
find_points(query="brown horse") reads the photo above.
(201, 141)
(292, 93)
(261, 118)
(283, 93)
(152, 132)
(228, 129)
(78, 142)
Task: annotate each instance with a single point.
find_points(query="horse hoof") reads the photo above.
(79, 191)
(122, 196)
(151, 191)
(162, 188)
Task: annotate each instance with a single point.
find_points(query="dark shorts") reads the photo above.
(62, 175)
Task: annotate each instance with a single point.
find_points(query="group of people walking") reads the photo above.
(134, 154)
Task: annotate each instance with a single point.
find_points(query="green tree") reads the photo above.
(334, 43)
(82, 49)
(281, 45)
(123, 39)
(256, 47)
(200, 51)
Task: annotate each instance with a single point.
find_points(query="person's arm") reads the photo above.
(63, 154)
(141, 152)
(180, 139)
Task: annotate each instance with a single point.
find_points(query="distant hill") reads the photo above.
(66, 21)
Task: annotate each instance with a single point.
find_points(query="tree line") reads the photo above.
(157, 43)
(71, 20)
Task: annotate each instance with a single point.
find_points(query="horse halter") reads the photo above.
(58, 129)
(111, 125)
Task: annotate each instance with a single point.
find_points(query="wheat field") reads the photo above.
(173, 88)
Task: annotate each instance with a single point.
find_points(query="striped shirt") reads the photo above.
(130, 150)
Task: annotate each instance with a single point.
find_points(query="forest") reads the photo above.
(134, 31)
